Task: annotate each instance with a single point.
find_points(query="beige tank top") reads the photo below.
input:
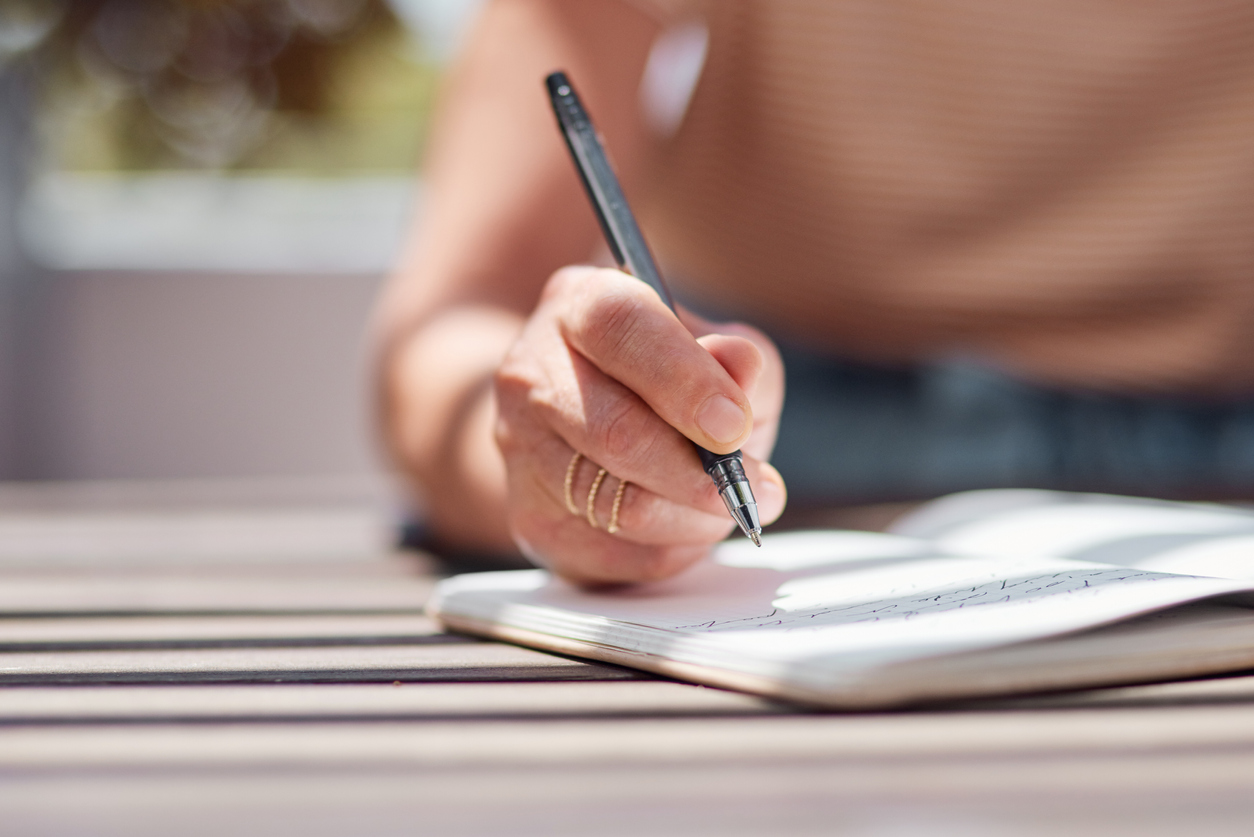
(1061, 188)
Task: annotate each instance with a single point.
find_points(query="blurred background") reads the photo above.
(198, 200)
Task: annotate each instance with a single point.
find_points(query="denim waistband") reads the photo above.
(852, 433)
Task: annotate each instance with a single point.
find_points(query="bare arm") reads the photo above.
(497, 366)
(502, 211)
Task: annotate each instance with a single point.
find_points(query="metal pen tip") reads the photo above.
(733, 487)
(738, 498)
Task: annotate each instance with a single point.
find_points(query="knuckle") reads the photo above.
(508, 379)
(516, 371)
(611, 325)
(519, 407)
(628, 435)
(506, 438)
(510, 389)
(618, 431)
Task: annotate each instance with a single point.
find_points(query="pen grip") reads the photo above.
(721, 465)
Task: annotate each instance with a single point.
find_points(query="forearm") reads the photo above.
(502, 210)
(438, 415)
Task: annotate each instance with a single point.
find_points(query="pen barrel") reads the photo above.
(627, 243)
(622, 233)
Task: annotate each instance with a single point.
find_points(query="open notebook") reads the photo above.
(981, 593)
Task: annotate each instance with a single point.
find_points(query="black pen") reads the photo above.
(631, 252)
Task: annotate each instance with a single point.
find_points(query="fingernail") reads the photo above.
(721, 419)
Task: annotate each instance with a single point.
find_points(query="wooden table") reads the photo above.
(200, 660)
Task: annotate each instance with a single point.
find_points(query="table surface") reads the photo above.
(215, 661)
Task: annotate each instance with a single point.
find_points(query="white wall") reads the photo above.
(182, 375)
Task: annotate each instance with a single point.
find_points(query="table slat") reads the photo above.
(154, 632)
(904, 737)
(104, 594)
(157, 704)
(366, 664)
(1103, 797)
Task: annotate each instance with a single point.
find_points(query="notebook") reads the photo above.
(976, 594)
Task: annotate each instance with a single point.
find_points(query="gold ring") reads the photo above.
(589, 513)
(592, 498)
(571, 469)
(618, 501)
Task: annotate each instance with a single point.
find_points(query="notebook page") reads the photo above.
(1193, 538)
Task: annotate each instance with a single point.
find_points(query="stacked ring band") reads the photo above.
(589, 511)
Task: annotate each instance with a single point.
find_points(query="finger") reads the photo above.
(615, 428)
(554, 388)
(537, 457)
(623, 328)
(639, 515)
(562, 481)
(766, 390)
(567, 545)
(762, 377)
(738, 356)
(546, 484)
(649, 518)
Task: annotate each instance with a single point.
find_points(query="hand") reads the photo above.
(604, 369)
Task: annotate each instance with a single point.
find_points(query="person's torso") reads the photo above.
(1061, 187)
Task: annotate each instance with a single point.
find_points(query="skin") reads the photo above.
(502, 353)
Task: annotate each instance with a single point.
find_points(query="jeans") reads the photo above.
(853, 433)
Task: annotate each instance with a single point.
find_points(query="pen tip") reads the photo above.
(757, 539)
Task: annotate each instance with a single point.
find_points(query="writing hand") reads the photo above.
(604, 369)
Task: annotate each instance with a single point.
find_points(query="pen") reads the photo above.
(631, 252)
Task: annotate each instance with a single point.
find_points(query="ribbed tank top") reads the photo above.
(1060, 188)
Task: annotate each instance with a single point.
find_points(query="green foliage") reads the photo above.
(311, 86)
